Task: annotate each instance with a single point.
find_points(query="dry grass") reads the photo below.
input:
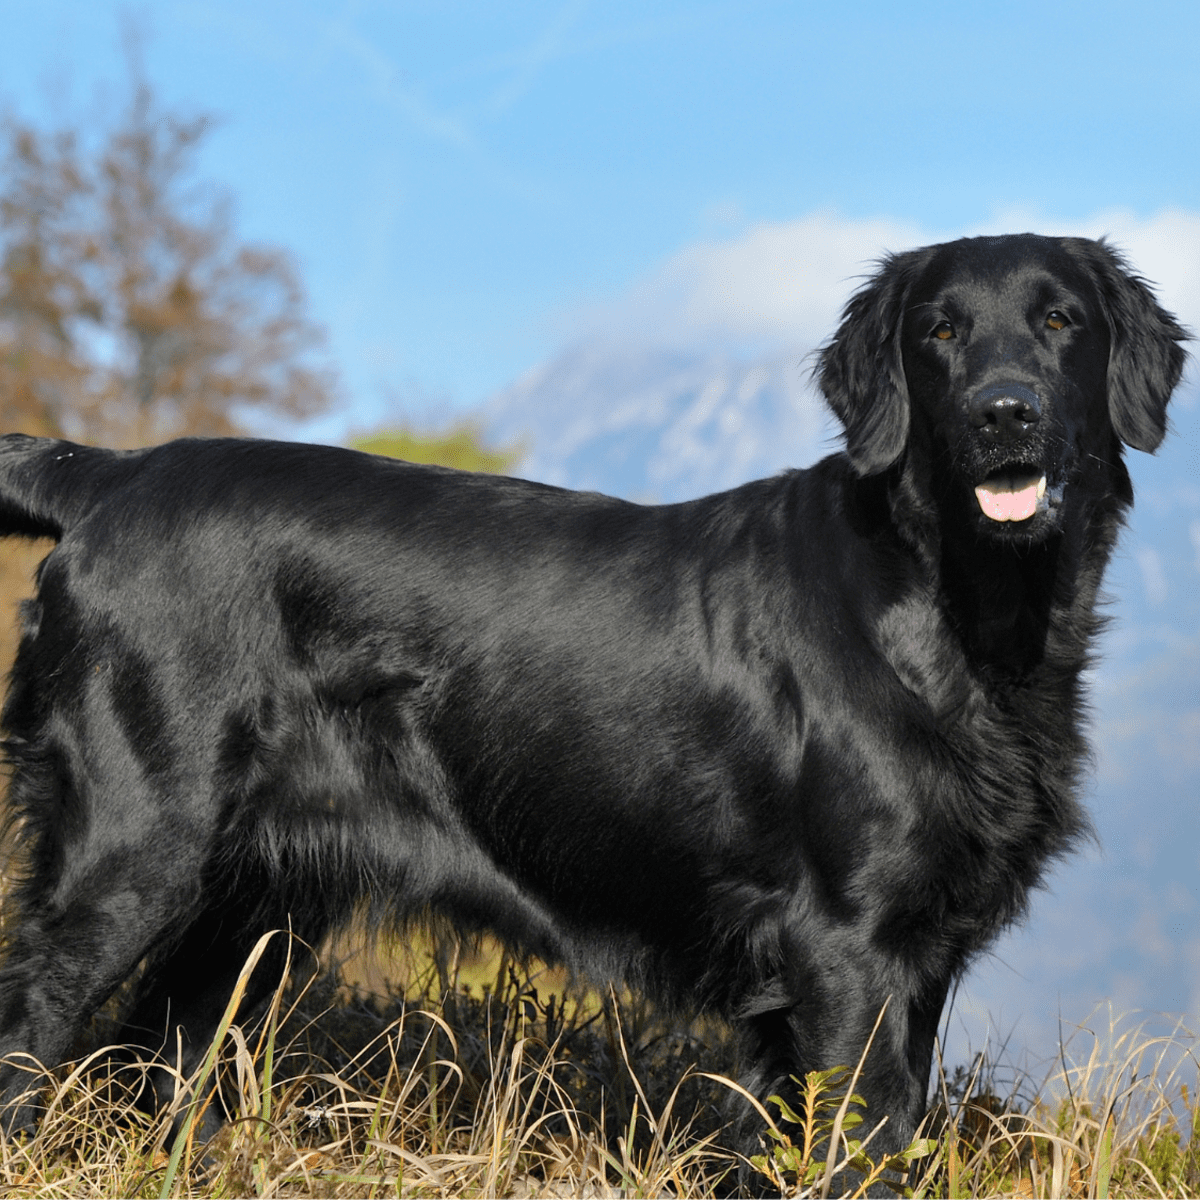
(500, 1086)
(1115, 1117)
(493, 1090)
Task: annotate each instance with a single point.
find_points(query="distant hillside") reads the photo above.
(661, 425)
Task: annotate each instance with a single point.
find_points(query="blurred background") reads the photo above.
(596, 244)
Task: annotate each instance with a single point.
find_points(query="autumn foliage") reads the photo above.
(130, 312)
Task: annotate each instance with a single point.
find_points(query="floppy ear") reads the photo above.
(1146, 359)
(860, 370)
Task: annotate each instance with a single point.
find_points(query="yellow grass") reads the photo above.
(498, 1085)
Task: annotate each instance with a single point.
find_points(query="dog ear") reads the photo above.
(861, 373)
(1146, 359)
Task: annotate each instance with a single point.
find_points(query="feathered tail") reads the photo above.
(46, 485)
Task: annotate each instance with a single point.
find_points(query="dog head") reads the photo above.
(1017, 361)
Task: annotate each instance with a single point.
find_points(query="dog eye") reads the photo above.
(943, 331)
(1057, 320)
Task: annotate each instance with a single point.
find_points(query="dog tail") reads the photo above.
(46, 484)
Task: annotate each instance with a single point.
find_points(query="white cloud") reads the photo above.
(1154, 578)
(776, 284)
(1165, 249)
(784, 283)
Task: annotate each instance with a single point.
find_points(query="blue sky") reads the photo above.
(454, 178)
(616, 231)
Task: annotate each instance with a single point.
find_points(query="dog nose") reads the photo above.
(1006, 411)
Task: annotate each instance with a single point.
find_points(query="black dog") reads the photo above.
(783, 753)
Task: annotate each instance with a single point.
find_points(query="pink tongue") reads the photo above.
(1008, 499)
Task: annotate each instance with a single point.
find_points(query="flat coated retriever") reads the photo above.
(781, 753)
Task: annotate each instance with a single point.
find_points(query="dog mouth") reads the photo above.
(1011, 495)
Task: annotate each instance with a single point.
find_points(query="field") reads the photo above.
(457, 1073)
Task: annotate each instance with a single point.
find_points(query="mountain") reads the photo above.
(661, 424)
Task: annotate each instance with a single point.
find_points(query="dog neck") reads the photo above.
(1017, 607)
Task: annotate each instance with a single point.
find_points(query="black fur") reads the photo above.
(780, 753)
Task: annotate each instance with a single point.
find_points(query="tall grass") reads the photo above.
(483, 1079)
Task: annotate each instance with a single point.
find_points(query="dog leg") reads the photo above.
(72, 950)
(188, 985)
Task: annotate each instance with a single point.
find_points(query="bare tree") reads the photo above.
(129, 311)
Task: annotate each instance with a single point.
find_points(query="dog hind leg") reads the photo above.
(188, 984)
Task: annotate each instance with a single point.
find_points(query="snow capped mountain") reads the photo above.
(661, 424)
